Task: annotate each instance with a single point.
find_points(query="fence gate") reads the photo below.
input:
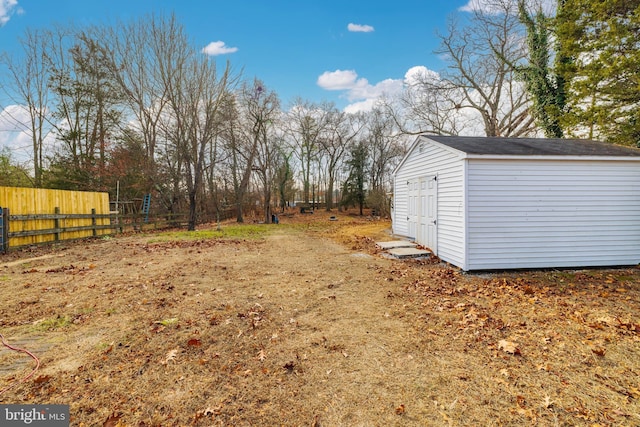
(4, 229)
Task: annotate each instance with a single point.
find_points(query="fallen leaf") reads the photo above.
(262, 356)
(599, 351)
(194, 342)
(171, 356)
(112, 420)
(508, 347)
(42, 379)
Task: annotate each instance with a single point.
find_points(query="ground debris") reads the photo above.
(291, 323)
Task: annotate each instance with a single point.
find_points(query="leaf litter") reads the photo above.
(292, 330)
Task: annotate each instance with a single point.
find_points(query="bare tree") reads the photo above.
(479, 76)
(384, 148)
(136, 53)
(284, 177)
(426, 105)
(239, 157)
(247, 138)
(304, 125)
(27, 85)
(340, 130)
(195, 95)
(262, 111)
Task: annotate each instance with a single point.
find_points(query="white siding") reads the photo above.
(399, 223)
(538, 214)
(448, 166)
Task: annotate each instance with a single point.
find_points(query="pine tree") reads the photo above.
(354, 191)
(600, 39)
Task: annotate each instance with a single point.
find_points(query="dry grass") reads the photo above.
(306, 324)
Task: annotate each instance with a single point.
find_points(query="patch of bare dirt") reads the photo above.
(311, 326)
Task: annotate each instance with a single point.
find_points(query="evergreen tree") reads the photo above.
(599, 38)
(11, 173)
(353, 192)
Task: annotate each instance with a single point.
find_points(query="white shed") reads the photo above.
(504, 203)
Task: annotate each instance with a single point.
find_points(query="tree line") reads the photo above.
(136, 104)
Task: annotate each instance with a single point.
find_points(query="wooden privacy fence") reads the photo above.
(36, 215)
(31, 216)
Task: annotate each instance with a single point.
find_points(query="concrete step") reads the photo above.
(408, 252)
(396, 244)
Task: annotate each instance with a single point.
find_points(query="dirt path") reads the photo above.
(357, 359)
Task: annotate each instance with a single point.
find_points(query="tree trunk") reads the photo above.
(329, 198)
(192, 211)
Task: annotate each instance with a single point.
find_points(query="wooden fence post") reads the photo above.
(56, 224)
(93, 222)
(4, 229)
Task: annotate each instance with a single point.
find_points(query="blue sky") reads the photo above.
(297, 48)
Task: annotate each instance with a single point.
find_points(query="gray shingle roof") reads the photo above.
(533, 146)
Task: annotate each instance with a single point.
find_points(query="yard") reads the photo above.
(305, 323)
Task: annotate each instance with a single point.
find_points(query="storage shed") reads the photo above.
(505, 203)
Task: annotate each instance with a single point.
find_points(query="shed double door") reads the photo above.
(423, 211)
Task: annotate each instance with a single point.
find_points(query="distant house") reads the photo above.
(505, 203)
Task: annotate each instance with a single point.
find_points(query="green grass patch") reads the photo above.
(102, 346)
(52, 323)
(235, 231)
(168, 322)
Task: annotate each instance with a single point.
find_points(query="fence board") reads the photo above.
(39, 201)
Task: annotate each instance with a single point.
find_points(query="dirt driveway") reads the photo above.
(306, 324)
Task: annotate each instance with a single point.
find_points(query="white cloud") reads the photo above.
(358, 90)
(385, 87)
(7, 9)
(218, 48)
(13, 132)
(364, 106)
(357, 28)
(420, 74)
(12, 118)
(340, 80)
